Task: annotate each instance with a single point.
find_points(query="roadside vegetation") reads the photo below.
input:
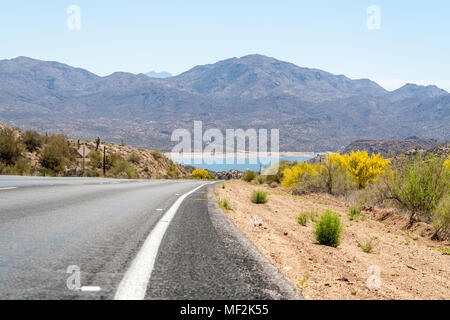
(224, 204)
(324, 244)
(202, 174)
(416, 186)
(259, 197)
(31, 153)
(328, 223)
(328, 229)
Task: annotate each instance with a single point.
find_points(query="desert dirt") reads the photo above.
(411, 265)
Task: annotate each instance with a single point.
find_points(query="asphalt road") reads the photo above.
(101, 227)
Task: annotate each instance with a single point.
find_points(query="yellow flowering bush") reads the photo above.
(291, 176)
(200, 174)
(360, 166)
(447, 164)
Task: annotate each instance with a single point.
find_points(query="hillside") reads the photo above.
(390, 147)
(314, 110)
(24, 153)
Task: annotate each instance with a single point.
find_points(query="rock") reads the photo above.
(229, 175)
(343, 279)
(255, 222)
(273, 185)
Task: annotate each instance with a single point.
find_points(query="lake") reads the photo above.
(241, 164)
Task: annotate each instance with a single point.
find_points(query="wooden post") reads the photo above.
(104, 161)
(84, 156)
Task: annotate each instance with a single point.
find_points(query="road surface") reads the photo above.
(109, 228)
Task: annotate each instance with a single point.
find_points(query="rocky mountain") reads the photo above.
(257, 76)
(314, 110)
(391, 147)
(412, 91)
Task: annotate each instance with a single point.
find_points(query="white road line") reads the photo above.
(8, 188)
(91, 289)
(134, 283)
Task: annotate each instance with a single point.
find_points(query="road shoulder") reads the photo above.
(236, 240)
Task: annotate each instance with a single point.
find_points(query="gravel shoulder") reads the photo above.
(411, 265)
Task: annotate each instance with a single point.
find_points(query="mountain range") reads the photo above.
(314, 110)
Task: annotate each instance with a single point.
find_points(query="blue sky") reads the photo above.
(413, 44)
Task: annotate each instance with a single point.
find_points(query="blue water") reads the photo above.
(249, 163)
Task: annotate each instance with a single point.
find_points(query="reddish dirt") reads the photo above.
(411, 265)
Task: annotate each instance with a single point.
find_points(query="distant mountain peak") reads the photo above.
(256, 76)
(411, 90)
(419, 86)
(159, 75)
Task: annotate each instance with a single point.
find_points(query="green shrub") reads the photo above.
(173, 171)
(9, 171)
(249, 176)
(259, 179)
(32, 140)
(366, 246)
(123, 169)
(334, 179)
(313, 215)
(10, 146)
(211, 176)
(156, 154)
(134, 158)
(441, 220)
(57, 154)
(223, 185)
(225, 204)
(353, 213)
(328, 229)
(418, 185)
(302, 283)
(111, 160)
(21, 167)
(259, 197)
(278, 176)
(92, 173)
(302, 219)
(95, 159)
